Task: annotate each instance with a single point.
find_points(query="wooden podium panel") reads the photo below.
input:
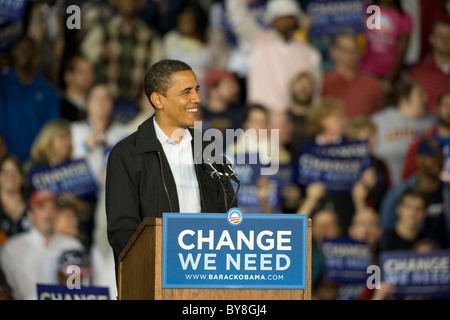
(140, 273)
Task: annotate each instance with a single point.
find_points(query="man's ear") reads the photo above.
(156, 99)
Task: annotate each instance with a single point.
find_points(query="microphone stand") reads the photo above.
(216, 175)
(231, 174)
(227, 173)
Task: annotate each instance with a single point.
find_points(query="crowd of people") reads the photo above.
(69, 95)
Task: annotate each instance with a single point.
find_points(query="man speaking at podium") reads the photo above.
(155, 170)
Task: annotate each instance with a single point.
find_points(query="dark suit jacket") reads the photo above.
(139, 183)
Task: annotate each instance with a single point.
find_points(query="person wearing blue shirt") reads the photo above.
(27, 99)
(436, 225)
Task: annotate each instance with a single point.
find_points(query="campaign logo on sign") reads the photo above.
(261, 251)
(235, 216)
(423, 274)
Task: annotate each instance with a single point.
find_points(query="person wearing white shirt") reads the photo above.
(91, 138)
(32, 257)
(182, 166)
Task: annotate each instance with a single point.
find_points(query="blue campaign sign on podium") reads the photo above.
(234, 250)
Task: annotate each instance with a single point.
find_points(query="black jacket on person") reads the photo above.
(139, 183)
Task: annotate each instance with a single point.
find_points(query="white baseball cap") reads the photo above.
(281, 8)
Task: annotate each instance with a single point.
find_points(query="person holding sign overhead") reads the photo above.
(157, 169)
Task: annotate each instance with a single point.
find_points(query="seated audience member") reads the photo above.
(436, 224)
(79, 77)
(32, 257)
(434, 74)
(27, 99)
(399, 124)
(361, 94)
(13, 197)
(440, 130)
(411, 210)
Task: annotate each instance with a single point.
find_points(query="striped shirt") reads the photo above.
(435, 81)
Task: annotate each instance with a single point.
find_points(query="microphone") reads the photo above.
(208, 167)
(228, 170)
(216, 175)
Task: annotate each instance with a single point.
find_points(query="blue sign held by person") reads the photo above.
(234, 250)
(335, 16)
(61, 292)
(419, 274)
(74, 176)
(249, 173)
(338, 165)
(346, 260)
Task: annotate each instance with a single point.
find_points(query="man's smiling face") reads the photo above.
(180, 105)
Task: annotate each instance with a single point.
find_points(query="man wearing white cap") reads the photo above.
(275, 54)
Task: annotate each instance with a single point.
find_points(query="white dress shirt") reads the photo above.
(26, 261)
(181, 163)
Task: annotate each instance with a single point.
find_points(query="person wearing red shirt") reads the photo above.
(430, 12)
(434, 74)
(440, 131)
(360, 93)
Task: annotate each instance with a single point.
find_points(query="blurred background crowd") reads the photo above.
(67, 95)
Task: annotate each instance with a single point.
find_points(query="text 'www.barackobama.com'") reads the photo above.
(238, 277)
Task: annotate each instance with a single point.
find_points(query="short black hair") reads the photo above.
(255, 107)
(416, 193)
(159, 76)
(72, 60)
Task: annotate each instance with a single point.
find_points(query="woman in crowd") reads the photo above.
(52, 146)
(13, 196)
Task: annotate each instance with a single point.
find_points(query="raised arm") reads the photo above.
(243, 22)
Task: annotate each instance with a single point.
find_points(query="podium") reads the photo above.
(140, 273)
